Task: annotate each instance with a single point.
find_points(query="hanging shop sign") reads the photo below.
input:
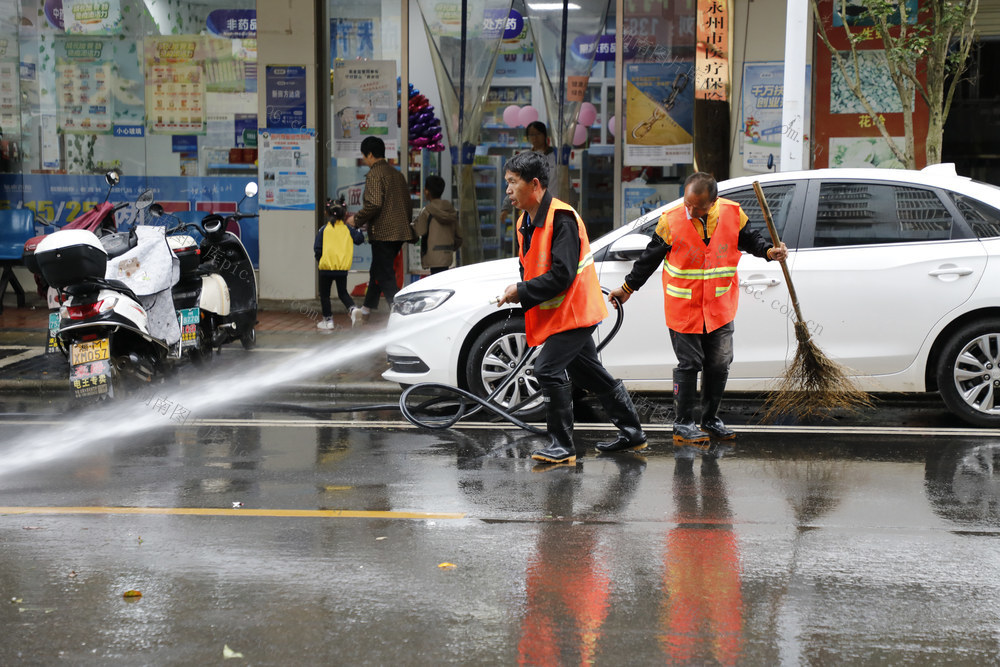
(516, 57)
(712, 52)
(287, 161)
(601, 47)
(91, 17)
(83, 84)
(364, 105)
(175, 85)
(232, 23)
(659, 114)
(762, 95)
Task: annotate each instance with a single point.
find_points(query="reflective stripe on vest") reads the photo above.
(582, 305)
(698, 279)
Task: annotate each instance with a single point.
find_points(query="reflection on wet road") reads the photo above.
(295, 541)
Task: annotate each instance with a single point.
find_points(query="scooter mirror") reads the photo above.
(156, 210)
(113, 177)
(145, 200)
(251, 189)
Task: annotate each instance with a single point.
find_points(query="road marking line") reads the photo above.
(213, 511)
(13, 359)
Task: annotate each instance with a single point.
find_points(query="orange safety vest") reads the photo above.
(700, 285)
(582, 305)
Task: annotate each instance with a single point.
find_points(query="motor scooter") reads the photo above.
(117, 323)
(221, 282)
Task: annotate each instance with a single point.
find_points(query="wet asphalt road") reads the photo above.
(874, 545)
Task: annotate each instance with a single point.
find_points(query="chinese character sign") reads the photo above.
(712, 59)
(92, 16)
(286, 95)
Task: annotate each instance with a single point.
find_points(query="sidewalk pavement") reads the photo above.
(283, 327)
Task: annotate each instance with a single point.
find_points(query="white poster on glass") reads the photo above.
(364, 105)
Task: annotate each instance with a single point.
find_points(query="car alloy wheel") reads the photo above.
(969, 373)
(492, 357)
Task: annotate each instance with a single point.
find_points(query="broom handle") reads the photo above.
(776, 241)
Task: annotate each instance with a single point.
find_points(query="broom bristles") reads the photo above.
(813, 385)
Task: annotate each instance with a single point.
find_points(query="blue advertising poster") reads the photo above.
(761, 100)
(59, 199)
(286, 96)
(354, 39)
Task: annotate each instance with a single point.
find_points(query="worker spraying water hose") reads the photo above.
(812, 384)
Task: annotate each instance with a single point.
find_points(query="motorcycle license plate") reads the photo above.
(89, 352)
(188, 318)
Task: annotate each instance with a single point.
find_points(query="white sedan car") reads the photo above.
(897, 273)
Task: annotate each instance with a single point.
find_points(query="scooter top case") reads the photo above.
(92, 220)
(70, 257)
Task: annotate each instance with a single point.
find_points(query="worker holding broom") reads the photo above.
(699, 245)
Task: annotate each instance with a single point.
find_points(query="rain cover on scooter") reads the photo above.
(150, 269)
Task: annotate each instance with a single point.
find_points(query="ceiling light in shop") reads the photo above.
(550, 6)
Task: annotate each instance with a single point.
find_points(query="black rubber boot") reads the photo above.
(559, 424)
(712, 388)
(685, 398)
(618, 404)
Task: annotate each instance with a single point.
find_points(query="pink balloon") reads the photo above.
(588, 113)
(579, 135)
(528, 115)
(510, 115)
(611, 126)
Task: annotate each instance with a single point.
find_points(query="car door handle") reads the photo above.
(766, 282)
(951, 271)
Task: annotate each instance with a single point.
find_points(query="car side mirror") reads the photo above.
(628, 247)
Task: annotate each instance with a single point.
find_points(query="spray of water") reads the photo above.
(114, 421)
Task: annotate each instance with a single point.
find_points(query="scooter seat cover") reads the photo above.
(148, 268)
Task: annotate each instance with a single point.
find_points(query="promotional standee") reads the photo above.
(134, 302)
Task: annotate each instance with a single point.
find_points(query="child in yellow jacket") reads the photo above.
(334, 250)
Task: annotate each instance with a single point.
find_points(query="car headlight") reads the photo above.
(420, 302)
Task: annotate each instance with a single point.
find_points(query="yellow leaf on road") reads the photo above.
(230, 653)
(446, 565)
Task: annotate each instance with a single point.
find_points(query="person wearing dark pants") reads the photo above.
(382, 276)
(562, 302)
(386, 211)
(698, 244)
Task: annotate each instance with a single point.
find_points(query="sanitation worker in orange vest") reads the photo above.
(563, 304)
(698, 244)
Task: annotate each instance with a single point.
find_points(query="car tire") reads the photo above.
(493, 354)
(968, 373)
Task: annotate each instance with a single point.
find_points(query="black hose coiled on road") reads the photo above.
(463, 411)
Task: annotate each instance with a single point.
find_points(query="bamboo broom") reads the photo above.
(812, 384)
